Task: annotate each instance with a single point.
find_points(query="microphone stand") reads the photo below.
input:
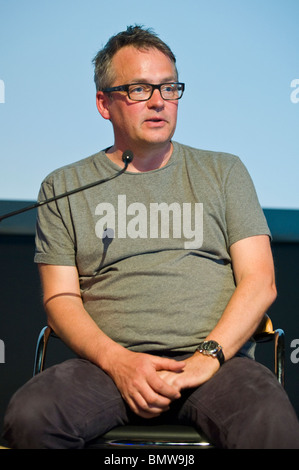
(127, 157)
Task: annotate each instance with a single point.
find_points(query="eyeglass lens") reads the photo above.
(142, 91)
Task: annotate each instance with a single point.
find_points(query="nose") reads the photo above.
(156, 100)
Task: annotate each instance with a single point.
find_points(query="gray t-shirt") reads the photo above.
(152, 248)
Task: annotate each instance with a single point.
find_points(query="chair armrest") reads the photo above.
(264, 333)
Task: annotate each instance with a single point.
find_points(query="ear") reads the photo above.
(103, 101)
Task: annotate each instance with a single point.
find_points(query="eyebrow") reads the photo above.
(165, 80)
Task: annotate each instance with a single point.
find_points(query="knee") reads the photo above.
(26, 419)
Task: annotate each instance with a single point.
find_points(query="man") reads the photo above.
(138, 272)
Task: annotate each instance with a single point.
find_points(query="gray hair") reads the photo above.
(135, 36)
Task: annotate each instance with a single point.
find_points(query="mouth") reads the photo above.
(156, 120)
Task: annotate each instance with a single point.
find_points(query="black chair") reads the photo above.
(166, 436)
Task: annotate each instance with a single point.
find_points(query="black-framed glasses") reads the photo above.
(144, 91)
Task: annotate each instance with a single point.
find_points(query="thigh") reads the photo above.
(64, 406)
(243, 406)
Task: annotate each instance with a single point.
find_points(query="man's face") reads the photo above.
(145, 124)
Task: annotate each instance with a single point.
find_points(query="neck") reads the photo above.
(143, 160)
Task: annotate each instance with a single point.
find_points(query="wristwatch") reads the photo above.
(211, 348)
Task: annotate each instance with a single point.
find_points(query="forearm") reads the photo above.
(253, 296)
(135, 374)
(255, 292)
(69, 319)
(72, 323)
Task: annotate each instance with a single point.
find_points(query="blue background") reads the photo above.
(239, 60)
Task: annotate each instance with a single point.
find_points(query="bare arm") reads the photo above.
(135, 374)
(254, 274)
(255, 292)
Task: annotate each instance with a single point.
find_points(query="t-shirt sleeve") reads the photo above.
(244, 215)
(54, 241)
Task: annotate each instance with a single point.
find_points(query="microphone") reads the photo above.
(127, 157)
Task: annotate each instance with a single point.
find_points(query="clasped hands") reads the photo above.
(150, 383)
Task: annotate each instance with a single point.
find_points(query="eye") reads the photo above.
(170, 88)
(139, 89)
(136, 89)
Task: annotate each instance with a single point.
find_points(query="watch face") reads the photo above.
(210, 346)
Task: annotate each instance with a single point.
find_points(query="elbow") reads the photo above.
(271, 293)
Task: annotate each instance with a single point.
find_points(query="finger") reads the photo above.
(164, 388)
(157, 394)
(148, 414)
(164, 363)
(143, 408)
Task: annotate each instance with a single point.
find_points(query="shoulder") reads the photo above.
(213, 161)
(211, 156)
(70, 170)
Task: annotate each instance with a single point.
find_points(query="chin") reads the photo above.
(159, 139)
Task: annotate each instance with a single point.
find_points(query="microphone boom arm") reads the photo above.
(127, 157)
